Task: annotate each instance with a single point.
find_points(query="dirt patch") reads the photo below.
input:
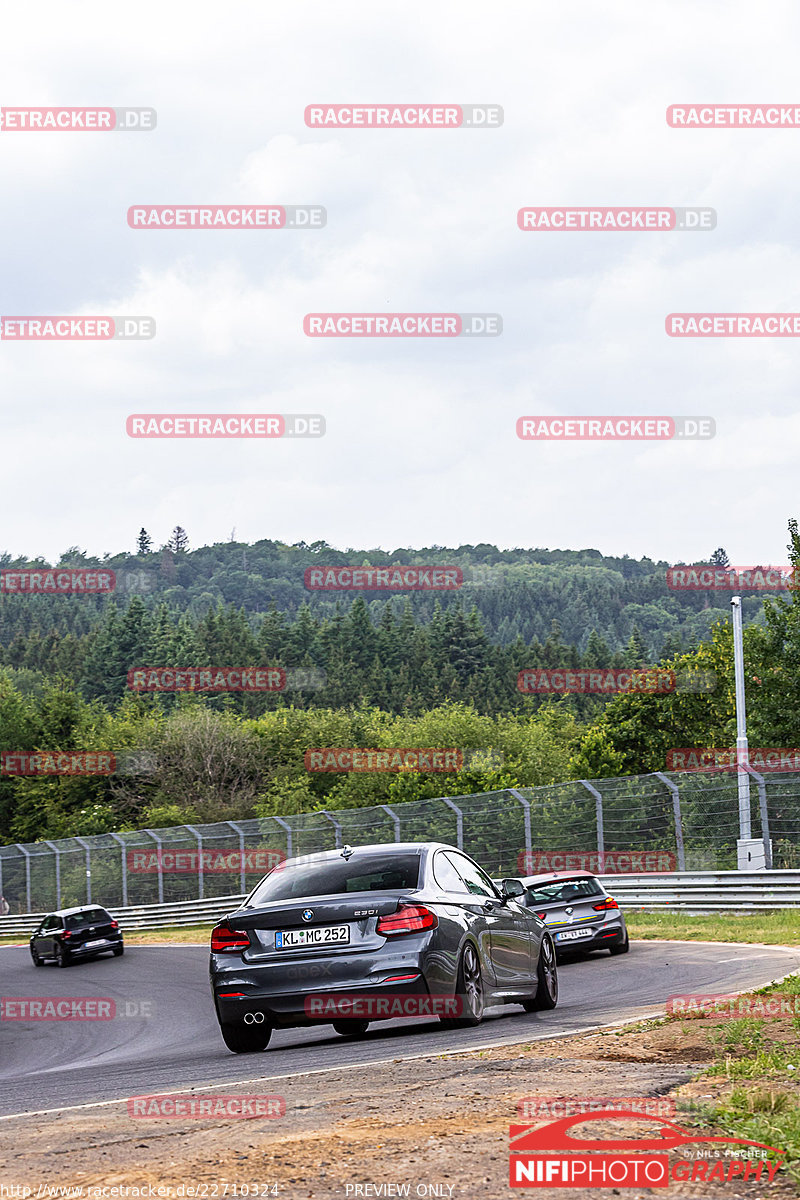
(439, 1125)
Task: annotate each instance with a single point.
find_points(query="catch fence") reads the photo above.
(682, 821)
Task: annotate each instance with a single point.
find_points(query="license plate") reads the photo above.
(572, 935)
(323, 935)
(99, 942)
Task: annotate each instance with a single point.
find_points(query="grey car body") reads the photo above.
(578, 911)
(262, 982)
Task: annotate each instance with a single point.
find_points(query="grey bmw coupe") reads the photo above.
(345, 931)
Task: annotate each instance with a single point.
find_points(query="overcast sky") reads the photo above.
(421, 446)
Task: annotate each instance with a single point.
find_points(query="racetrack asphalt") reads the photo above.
(47, 1064)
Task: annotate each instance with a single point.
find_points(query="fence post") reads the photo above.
(27, 854)
(200, 872)
(57, 853)
(335, 825)
(157, 841)
(124, 868)
(762, 807)
(240, 832)
(459, 821)
(526, 805)
(82, 842)
(395, 818)
(598, 806)
(287, 827)
(676, 806)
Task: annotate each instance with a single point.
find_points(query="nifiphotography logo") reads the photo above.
(552, 1155)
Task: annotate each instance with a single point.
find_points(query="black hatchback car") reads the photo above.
(73, 933)
(354, 926)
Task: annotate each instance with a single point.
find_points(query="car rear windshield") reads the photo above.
(562, 891)
(89, 916)
(339, 876)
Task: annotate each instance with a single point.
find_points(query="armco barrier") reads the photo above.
(700, 892)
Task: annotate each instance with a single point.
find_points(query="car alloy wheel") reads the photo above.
(118, 950)
(546, 978)
(246, 1039)
(469, 990)
(351, 1027)
(62, 957)
(37, 962)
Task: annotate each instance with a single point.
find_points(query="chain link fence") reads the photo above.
(681, 821)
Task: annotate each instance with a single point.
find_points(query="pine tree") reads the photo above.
(144, 543)
(179, 541)
(719, 558)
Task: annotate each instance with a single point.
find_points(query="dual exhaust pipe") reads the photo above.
(254, 1018)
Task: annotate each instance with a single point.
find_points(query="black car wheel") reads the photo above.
(621, 947)
(351, 1027)
(62, 957)
(469, 990)
(37, 962)
(118, 950)
(242, 1039)
(547, 979)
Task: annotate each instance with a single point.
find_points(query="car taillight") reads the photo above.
(541, 915)
(114, 925)
(225, 940)
(65, 933)
(605, 905)
(409, 918)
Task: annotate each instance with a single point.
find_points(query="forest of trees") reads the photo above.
(417, 669)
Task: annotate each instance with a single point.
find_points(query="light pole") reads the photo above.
(742, 752)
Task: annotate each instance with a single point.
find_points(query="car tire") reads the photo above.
(351, 1027)
(622, 948)
(243, 1040)
(37, 962)
(546, 979)
(469, 990)
(118, 950)
(62, 957)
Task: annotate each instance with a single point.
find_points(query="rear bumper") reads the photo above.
(610, 933)
(293, 1008)
(111, 943)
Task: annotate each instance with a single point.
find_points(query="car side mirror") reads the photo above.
(512, 889)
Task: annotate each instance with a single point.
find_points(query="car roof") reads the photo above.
(69, 912)
(387, 848)
(552, 876)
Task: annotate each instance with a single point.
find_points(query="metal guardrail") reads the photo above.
(144, 916)
(699, 892)
(707, 891)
